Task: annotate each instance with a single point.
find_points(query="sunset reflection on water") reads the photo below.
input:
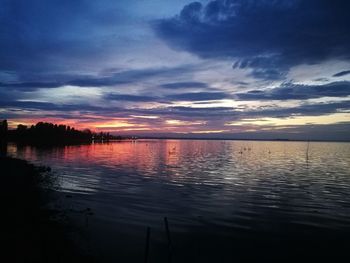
(219, 189)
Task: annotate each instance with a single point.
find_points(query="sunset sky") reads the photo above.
(224, 68)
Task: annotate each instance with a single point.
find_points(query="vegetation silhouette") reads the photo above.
(44, 133)
(3, 138)
(3, 130)
(34, 231)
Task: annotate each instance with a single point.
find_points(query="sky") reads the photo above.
(263, 69)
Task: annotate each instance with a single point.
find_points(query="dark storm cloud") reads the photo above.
(267, 36)
(342, 73)
(289, 91)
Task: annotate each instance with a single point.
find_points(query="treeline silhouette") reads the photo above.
(3, 130)
(49, 133)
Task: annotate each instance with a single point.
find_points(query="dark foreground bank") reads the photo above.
(30, 231)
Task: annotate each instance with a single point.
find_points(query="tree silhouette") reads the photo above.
(3, 130)
(48, 134)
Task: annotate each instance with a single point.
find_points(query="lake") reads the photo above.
(225, 201)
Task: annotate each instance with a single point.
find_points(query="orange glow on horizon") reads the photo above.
(145, 124)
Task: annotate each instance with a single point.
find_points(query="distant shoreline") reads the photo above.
(236, 139)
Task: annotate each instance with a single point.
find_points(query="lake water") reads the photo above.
(224, 200)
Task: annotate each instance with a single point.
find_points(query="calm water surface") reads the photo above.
(222, 198)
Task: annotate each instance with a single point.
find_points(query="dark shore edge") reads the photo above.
(31, 230)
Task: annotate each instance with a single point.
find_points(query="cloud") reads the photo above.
(213, 118)
(48, 49)
(131, 98)
(40, 35)
(317, 109)
(198, 96)
(30, 86)
(289, 91)
(47, 106)
(342, 73)
(102, 80)
(129, 76)
(193, 96)
(184, 85)
(267, 36)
